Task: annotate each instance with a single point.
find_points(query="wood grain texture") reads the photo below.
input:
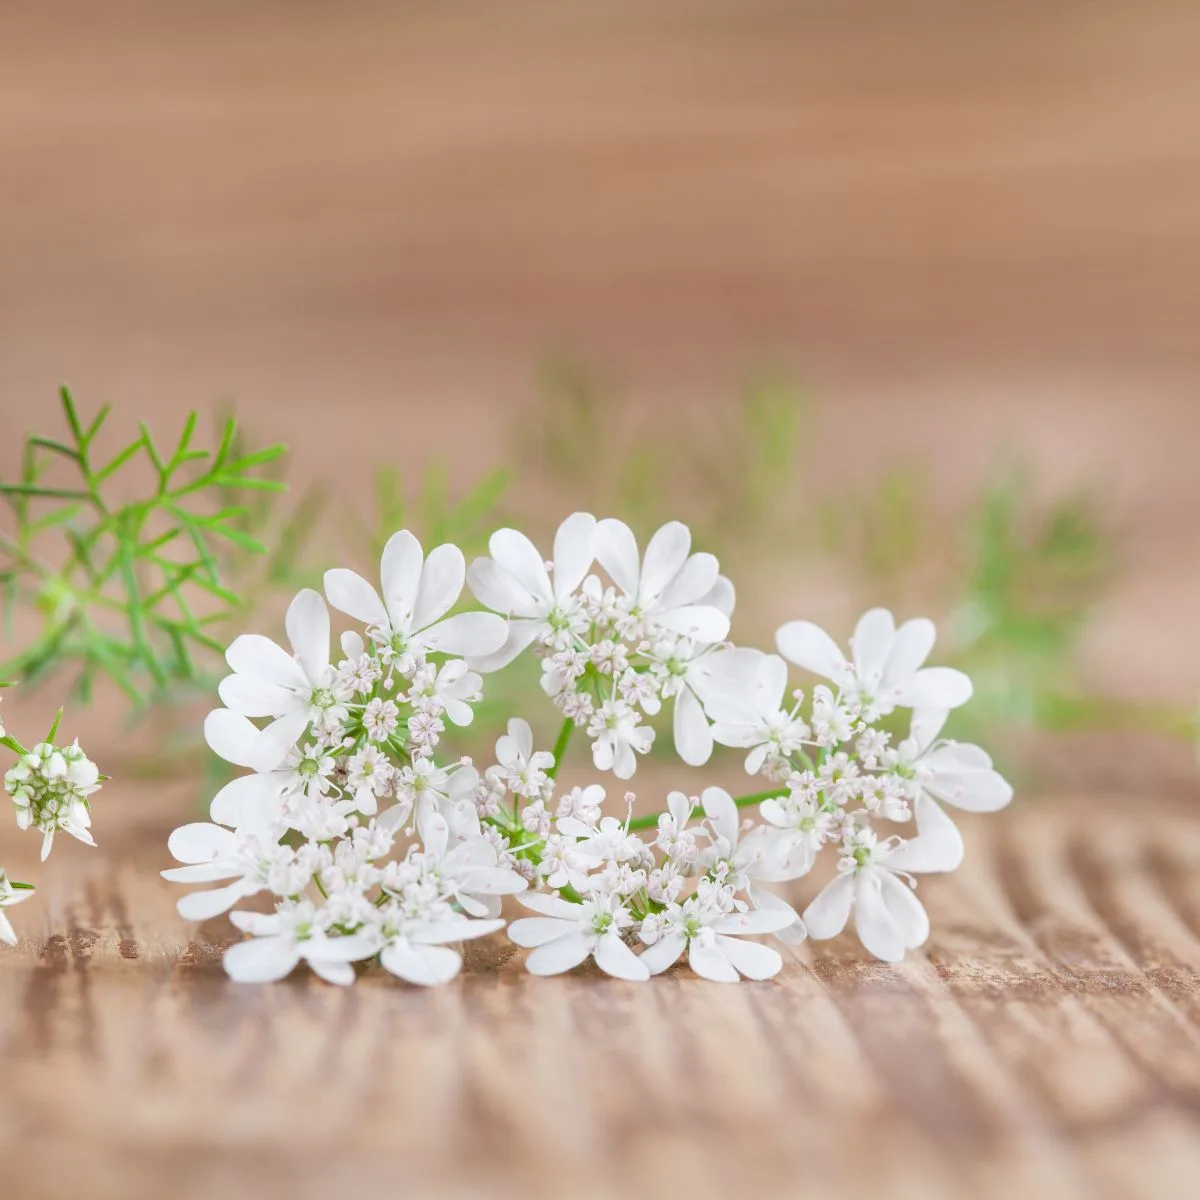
(1046, 1042)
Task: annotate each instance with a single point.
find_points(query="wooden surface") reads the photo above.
(965, 226)
(1046, 1042)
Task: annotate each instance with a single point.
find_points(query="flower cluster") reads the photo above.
(613, 653)
(370, 846)
(51, 789)
(375, 844)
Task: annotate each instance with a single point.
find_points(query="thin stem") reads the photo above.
(560, 746)
(651, 820)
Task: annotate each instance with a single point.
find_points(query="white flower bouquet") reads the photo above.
(375, 846)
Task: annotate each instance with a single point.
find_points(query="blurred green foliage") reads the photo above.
(1010, 577)
(127, 589)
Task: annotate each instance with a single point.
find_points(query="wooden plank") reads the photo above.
(1045, 1041)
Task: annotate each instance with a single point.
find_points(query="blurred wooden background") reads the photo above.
(966, 226)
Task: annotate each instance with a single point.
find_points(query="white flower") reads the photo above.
(380, 718)
(10, 894)
(754, 717)
(697, 675)
(670, 588)
(429, 789)
(564, 934)
(795, 829)
(293, 689)
(251, 857)
(748, 861)
(886, 670)
(951, 772)
(540, 604)
(409, 620)
(888, 917)
(452, 689)
(519, 766)
(416, 950)
(369, 775)
(50, 787)
(710, 936)
(616, 735)
(282, 939)
(467, 871)
(582, 803)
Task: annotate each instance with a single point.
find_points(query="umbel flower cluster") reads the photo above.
(370, 842)
(51, 790)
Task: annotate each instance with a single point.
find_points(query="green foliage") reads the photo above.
(127, 588)
(432, 514)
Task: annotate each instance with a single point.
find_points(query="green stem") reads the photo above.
(747, 801)
(560, 746)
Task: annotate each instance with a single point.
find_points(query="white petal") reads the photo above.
(400, 574)
(927, 723)
(972, 791)
(520, 557)
(307, 623)
(262, 960)
(517, 639)
(696, 580)
(239, 799)
(498, 588)
(665, 556)
(827, 915)
(722, 812)
(756, 920)
(230, 735)
(351, 594)
(203, 906)
(573, 554)
(435, 833)
(202, 842)
(549, 906)
(874, 925)
(201, 873)
(912, 646)
(958, 756)
(428, 966)
(906, 911)
(250, 697)
(617, 552)
(261, 659)
(872, 642)
(7, 932)
(709, 962)
(793, 933)
(473, 635)
(561, 954)
(454, 931)
(810, 647)
(751, 959)
(693, 737)
(615, 958)
(352, 643)
(495, 881)
(721, 595)
(934, 687)
(352, 948)
(521, 733)
(664, 953)
(333, 972)
(695, 621)
(441, 585)
(938, 845)
(273, 743)
(530, 932)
